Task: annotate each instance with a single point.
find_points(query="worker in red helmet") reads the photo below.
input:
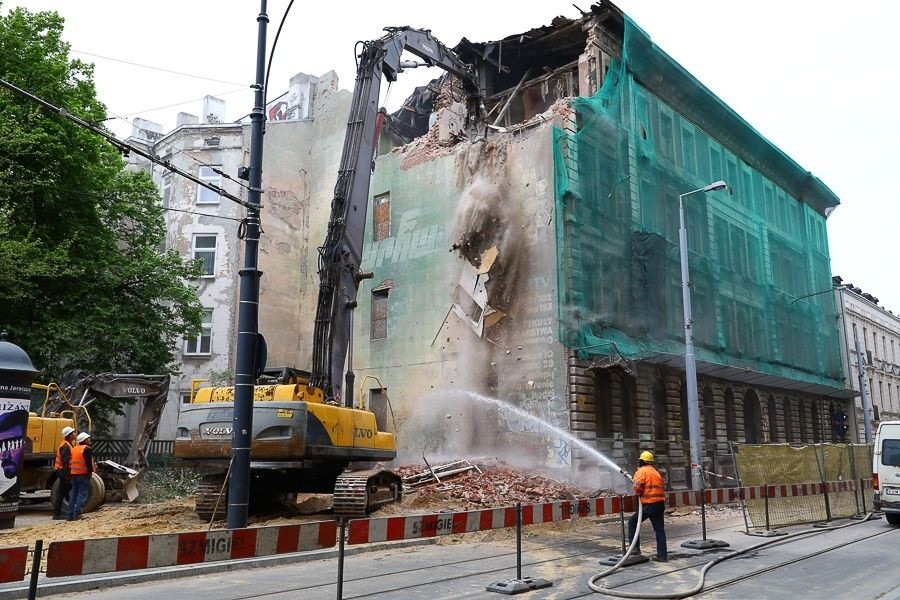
(61, 466)
(650, 490)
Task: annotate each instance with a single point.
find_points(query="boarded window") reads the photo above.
(382, 224)
(379, 314)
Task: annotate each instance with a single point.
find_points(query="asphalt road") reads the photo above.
(856, 562)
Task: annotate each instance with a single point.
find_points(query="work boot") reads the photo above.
(59, 517)
(656, 558)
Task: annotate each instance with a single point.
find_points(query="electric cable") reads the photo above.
(272, 53)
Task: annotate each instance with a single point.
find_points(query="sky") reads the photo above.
(819, 79)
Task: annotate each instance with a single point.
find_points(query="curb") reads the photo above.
(66, 585)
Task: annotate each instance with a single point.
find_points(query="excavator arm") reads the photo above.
(153, 388)
(341, 254)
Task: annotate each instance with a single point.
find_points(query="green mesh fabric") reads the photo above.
(651, 133)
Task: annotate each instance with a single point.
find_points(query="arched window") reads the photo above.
(773, 419)
(709, 415)
(660, 414)
(752, 418)
(730, 432)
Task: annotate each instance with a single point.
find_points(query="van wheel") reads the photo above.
(892, 518)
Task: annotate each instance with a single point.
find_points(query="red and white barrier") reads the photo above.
(388, 529)
(82, 557)
(365, 531)
(12, 563)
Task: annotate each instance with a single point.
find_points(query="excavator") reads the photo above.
(67, 404)
(306, 435)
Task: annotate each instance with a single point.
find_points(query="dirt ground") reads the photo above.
(492, 486)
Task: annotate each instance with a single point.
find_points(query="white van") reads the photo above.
(886, 470)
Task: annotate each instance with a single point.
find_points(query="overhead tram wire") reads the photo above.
(134, 64)
(124, 147)
(98, 196)
(272, 54)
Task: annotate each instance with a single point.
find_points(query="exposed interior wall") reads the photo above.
(300, 165)
(442, 376)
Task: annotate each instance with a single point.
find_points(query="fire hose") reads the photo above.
(592, 582)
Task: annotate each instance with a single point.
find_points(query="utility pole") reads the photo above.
(248, 310)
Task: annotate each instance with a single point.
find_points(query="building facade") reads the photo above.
(877, 331)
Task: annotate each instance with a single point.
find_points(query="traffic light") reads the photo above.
(840, 424)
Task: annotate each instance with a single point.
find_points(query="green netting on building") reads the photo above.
(651, 133)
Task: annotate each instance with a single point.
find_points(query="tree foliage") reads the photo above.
(84, 282)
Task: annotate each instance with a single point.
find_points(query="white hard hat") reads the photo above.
(67, 431)
(82, 436)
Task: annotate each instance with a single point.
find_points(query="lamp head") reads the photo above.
(717, 185)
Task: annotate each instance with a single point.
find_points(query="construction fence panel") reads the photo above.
(861, 465)
(771, 464)
(778, 464)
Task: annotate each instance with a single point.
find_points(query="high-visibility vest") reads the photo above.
(78, 466)
(58, 461)
(648, 485)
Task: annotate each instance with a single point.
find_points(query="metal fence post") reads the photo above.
(340, 575)
(35, 569)
(822, 479)
(854, 476)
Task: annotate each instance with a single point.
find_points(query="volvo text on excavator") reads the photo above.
(306, 432)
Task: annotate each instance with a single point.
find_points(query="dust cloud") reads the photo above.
(450, 423)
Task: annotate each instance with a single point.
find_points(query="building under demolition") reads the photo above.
(539, 267)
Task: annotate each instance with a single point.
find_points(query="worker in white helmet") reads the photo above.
(61, 466)
(82, 466)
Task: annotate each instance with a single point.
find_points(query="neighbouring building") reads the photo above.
(877, 330)
(539, 267)
(304, 132)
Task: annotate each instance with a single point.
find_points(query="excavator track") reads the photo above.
(357, 493)
(209, 493)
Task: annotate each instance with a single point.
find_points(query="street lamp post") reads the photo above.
(690, 365)
(690, 371)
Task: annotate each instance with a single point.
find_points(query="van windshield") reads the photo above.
(890, 453)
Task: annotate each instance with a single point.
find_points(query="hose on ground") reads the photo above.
(592, 582)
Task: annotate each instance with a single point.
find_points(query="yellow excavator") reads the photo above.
(306, 435)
